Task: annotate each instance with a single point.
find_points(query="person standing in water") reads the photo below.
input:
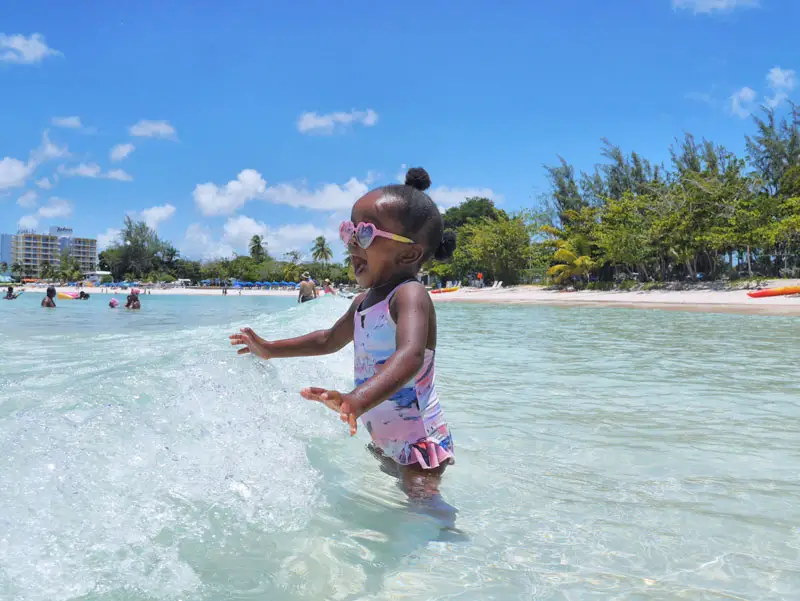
(49, 300)
(328, 288)
(10, 294)
(393, 231)
(133, 301)
(308, 291)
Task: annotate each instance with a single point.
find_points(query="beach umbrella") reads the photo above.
(275, 284)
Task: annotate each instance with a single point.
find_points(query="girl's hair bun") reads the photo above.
(446, 247)
(418, 178)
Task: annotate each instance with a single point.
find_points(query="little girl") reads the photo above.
(393, 231)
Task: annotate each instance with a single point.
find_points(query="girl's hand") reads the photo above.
(341, 403)
(253, 343)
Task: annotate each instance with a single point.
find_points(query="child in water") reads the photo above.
(393, 231)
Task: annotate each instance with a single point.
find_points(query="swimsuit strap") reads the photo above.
(389, 296)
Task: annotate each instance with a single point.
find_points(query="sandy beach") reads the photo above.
(718, 301)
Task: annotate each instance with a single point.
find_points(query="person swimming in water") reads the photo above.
(10, 294)
(328, 288)
(49, 300)
(393, 231)
(133, 301)
(308, 291)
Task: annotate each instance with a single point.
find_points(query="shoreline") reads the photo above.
(703, 301)
(696, 301)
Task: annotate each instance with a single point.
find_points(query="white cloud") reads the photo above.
(14, 172)
(238, 231)
(44, 183)
(213, 200)
(93, 171)
(328, 123)
(48, 151)
(709, 6)
(198, 242)
(55, 207)
(119, 175)
(326, 197)
(250, 185)
(152, 129)
(27, 222)
(67, 122)
(121, 151)
(25, 51)
(82, 170)
(743, 102)
(447, 197)
(107, 238)
(781, 82)
(155, 215)
(28, 200)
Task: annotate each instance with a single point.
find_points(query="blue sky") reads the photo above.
(214, 122)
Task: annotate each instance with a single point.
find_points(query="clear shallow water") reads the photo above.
(601, 454)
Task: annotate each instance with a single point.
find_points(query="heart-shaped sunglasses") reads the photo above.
(364, 234)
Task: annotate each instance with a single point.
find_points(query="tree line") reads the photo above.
(708, 214)
(139, 254)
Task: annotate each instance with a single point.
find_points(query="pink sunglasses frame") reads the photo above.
(353, 230)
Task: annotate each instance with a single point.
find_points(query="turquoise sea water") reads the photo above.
(601, 454)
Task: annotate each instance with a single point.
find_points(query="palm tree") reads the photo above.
(574, 260)
(257, 245)
(47, 271)
(321, 250)
(3, 267)
(16, 269)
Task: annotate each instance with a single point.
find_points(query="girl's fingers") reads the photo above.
(243, 351)
(312, 394)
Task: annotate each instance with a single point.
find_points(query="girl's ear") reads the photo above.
(411, 255)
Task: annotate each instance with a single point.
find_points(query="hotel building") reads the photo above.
(32, 251)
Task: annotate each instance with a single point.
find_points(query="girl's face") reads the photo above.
(383, 259)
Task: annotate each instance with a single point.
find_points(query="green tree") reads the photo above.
(321, 250)
(257, 248)
(499, 248)
(472, 209)
(573, 259)
(47, 272)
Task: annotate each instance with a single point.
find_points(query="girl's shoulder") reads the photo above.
(410, 292)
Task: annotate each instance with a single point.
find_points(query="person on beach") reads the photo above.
(133, 301)
(308, 291)
(328, 288)
(10, 294)
(393, 231)
(49, 299)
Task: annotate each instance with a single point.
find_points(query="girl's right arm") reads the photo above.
(321, 342)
